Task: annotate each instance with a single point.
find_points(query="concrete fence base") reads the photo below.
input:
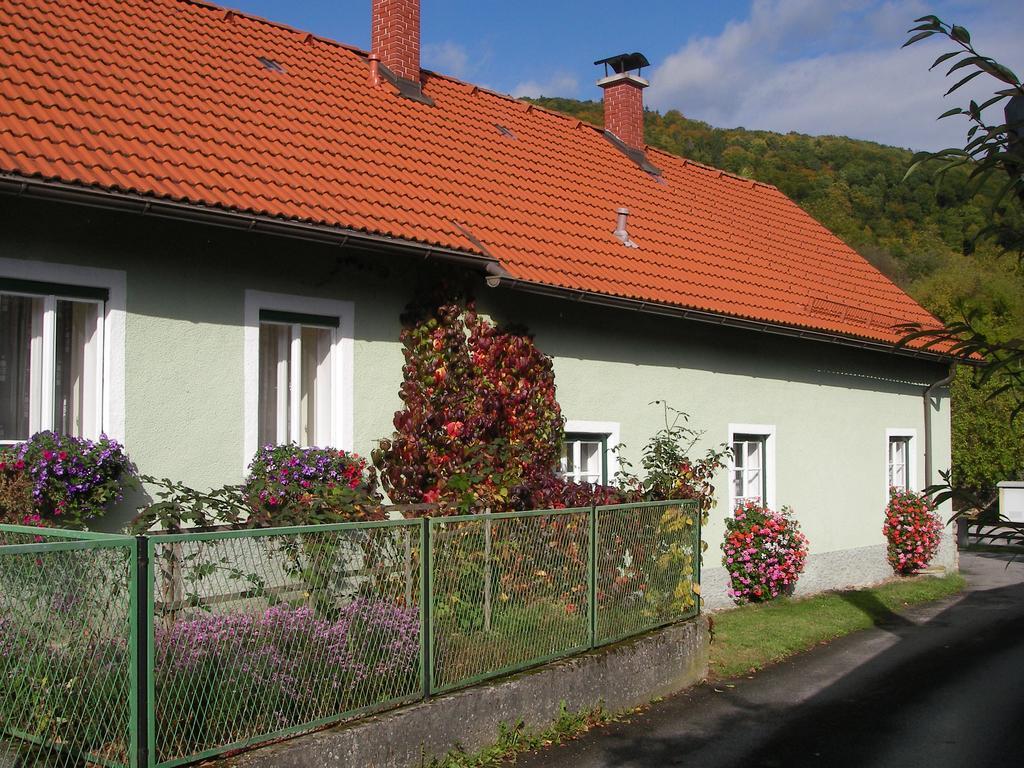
(618, 677)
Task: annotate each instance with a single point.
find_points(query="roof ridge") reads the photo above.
(721, 172)
(306, 34)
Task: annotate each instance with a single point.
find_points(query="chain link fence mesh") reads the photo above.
(258, 634)
(66, 663)
(647, 564)
(507, 591)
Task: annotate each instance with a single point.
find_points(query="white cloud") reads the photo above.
(447, 58)
(831, 68)
(558, 84)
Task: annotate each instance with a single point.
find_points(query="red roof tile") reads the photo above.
(168, 98)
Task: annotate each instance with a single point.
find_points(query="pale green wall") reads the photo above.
(184, 404)
(831, 405)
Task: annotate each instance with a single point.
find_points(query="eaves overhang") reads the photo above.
(722, 320)
(484, 261)
(131, 202)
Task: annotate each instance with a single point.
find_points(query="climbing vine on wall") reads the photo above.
(480, 422)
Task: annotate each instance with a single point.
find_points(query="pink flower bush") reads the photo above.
(764, 553)
(913, 530)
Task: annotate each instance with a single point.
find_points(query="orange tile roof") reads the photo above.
(168, 99)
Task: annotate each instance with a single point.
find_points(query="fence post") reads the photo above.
(488, 573)
(698, 550)
(593, 576)
(962, 532)
(426, 666)
(142, 666)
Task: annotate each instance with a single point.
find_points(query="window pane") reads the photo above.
(899, 476)
(75, 367)
(737, 454)
(899, 450)
(754, 455)
(737, 484)
(566, 462)
(590, 461)
(273, 383)
(754, 482)
(15, 364)
(315, 394)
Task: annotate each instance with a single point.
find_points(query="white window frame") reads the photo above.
(767, 431)
(909, 434)
(609, 430)
(108, 413)
(342, 380)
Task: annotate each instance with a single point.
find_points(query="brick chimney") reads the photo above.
(623, 97)
(395, 36)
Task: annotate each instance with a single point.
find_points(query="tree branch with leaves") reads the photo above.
(993, 154)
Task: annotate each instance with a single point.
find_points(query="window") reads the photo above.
(752, 467)
(900, 463)
(584, 458)
(295, 378)
(51, 359)
(749, 480)
(588, 454)
(298, 362)
(899, 448)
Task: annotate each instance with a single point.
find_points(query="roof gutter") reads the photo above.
(220, 217)
(710, 318)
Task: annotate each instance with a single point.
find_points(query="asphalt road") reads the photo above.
(938, 685)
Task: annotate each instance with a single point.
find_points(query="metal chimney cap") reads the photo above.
(624, 62)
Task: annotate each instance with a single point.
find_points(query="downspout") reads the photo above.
(928, 421)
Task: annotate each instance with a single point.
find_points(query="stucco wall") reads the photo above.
(830, 405)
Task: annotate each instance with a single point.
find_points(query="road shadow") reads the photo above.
(948, 691)
(880, 614)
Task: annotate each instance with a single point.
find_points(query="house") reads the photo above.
(211, 224)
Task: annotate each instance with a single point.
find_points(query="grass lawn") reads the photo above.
(749, 637)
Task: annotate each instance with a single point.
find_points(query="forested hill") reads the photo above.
(915, 231)
(919, 232)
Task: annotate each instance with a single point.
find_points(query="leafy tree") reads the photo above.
(989, 447)
(993, 153)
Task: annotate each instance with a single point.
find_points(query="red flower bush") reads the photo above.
(913, 530)
(764, 553)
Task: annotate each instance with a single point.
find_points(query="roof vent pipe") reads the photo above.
(621, 220)
(374, 60)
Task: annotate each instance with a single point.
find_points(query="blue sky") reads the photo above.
(814, 66)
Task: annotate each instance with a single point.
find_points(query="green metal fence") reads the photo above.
(68, 640)
(163, 650)
(647, 565)
(507, 591)
(261, 634)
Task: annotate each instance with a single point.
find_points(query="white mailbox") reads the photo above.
(1011, 501)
